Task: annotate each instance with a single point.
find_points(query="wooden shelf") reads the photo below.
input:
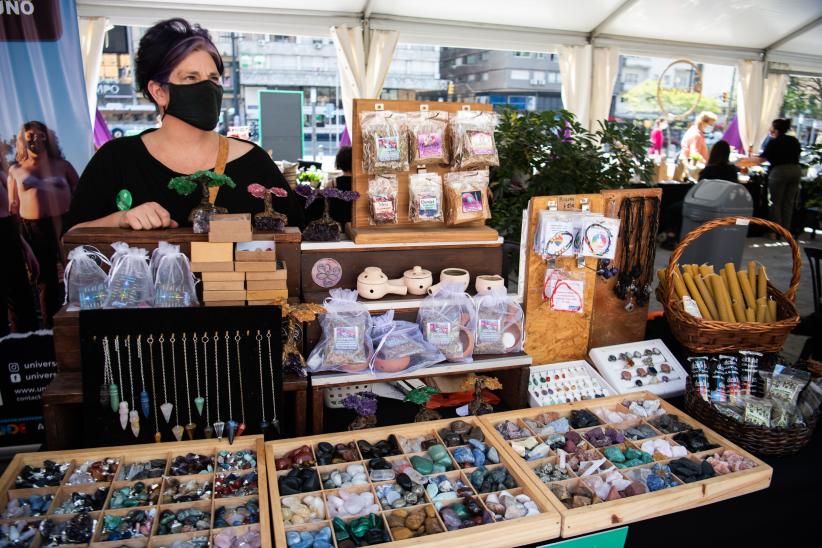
(394, 302)
(350, 245)
(421, 234)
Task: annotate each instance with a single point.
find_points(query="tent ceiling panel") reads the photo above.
(809, 43)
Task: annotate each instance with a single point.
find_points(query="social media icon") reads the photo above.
(14, 367)
(15, 378)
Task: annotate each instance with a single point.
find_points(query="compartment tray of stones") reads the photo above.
(622, 459)
(182, 494)
(445, 480)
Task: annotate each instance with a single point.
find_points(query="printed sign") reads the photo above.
(30, 21)
(439, 333)
(429, 145)
(481, 142)
(472, 201)
(388, 148)
(345, 338)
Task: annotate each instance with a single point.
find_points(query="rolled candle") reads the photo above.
(749, 313)
(736, 292)
(747, 291)
(739, 311)
(700, 303)
(721, 297)
(706, 270)
(707, 296)
(679, 285)
(752, 274)
(772, 310)
(761, 312)
(761, 283)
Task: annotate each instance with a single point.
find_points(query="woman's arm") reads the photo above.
(71, 176)
(148, 216)
(14, 197)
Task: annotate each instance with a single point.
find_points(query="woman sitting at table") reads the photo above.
(693, 142)
(125, 184)
(719, 165)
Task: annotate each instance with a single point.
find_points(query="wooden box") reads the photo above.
(513, 532)
(237, 295)
(225, 303)
(260, 256)
(280, 274)
(255, 285)
(212, 267)
(223, 276)
(224, 286)
(255, 266)
(208, 252)
(230, 227)
(142, 453)
(266, 294)
(604, 515)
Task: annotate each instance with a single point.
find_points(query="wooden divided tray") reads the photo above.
(603, 515)
(513, 532)
(158, 503)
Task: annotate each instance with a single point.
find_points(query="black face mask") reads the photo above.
(196, 104)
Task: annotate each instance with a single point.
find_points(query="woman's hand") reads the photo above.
(147, 216)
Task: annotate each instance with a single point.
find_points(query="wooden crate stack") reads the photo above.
(234, 277)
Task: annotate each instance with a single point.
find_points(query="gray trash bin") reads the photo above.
(714, 199)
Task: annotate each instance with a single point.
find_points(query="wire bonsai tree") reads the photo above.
(477, 383)
(206, 180)
(324, 229)
(422, 396)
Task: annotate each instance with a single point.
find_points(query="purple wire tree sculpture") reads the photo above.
(268, 220)
(324, 229)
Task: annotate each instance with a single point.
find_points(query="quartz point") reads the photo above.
(218, 429)
(178, 432)
(208, 432)
(231, 430)
(123, 410)
(166, 408)
(134, 420)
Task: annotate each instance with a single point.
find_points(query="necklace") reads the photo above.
(177, 430)
(166, 407)
(231, 425)
(144, 403)
(123, 407)
(275, 423)
(208, 431)
(198, 401)
(638, 250)
(113, 391)
(219, 425)
(157, 435)
(241, 427)
(263, 422)
(190, 426)
(133, 415)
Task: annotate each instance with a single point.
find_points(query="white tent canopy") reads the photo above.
(788, 32)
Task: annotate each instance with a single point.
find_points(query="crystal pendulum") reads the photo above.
(190, 426)
(113, 392)
(199, 400)
(264, 424)
(144, 400)
(166, 407)
(157, 436)
(123, 407)
(177, 429)
(208, 431)
(275, 423)
(231, 425)
(219, 425)
(133, 416)
(123, 414)
(241, 426)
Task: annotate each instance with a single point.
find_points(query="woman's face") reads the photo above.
(195, 68)
(35, 140)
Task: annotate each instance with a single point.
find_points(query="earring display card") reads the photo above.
(609, 461)
(566, 382)
(216, 492)
(640, 366)
(188, 373)
(432, 505)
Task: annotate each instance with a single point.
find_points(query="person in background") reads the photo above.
(782, 152)
(341, 210)
(719, 166)
(658, 136)
(693, 142)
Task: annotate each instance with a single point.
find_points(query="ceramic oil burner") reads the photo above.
(374, 284)
(512, 337)
(391, 365)
(486, 283)
(418, 280)
(452, 275)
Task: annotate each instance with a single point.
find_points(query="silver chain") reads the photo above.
(205, 370)
(119, 365)
(228, 368)
(162, 340)
(237, 338)
(217, 372)
(185, 368)
(150, 341)
(260, 361)
(172, 340)
(271, 372)
(130, 374)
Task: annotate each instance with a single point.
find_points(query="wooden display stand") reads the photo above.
(129, 454)
(514, 532)
(405, 231)
(604, 515)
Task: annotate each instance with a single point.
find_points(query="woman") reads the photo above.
(693, 142)
(658, 136)
(782, 152)
(40, 186)
(179, 69)
(719, 166)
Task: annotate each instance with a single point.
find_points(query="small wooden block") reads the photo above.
(266, 284)
(212, 267)
(223, 286)
(207, 252)
(225, 303)
(280, 274)
(237, 295)
(232, 227)
(263, 303)
(256, 256)
(266, 294)
(252, 266)
(223, 276)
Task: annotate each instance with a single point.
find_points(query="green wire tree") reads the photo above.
(422, 396)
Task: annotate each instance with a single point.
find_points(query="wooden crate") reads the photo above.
(604, 515)
(140, 453)
(515, 532)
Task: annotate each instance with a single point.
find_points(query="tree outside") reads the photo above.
(642, 100)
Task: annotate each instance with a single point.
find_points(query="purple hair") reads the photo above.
(165, 45)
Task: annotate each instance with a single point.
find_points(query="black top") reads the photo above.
(126, 163)
(339, 210)
(726, 172)
(782, 150)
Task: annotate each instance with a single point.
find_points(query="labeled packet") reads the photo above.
(427, 137)
(425, 198)
(730, 371)
(472, 139)
(758, 411)
(749, 361)
(718, 390)
(785, 383)
(383, 191)
(384, 141)
(699, 376)
(466, 197)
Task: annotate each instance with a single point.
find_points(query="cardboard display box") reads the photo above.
(256, 285)
(208, 252)
(223, 276)
(233, 227)
(212, 267)
(266, 294)
(252, 266)
(223, 286)
(236, 295)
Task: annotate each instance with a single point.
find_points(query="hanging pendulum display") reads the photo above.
(112, 390)
(190, 426)
(264, 424)
(219, 425)
(177, 430)
(157, 435)
(144, 401)
(166, 406)
(275, 423)
(231, 425)
(241, 427)
(123, 407)
(133, 415)
(208, 431)
(199, 400)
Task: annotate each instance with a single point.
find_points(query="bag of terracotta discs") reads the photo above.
(448, 320)
(499, 323)
(346, 341)
(472, 139)
(400, 347)
(466, 197)
(384, 141)
(427, 137)
(383, 195)
(425, 198)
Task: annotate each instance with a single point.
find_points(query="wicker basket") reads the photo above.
(712, 336)
(756, 439)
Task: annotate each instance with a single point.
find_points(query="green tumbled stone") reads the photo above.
(131, 503)
(167, 518)
(620, 465)
(460, 510)
(111, 522)
(340, 529)
(438, 453)
(614, 455)
(360, 526)
(439, 469)
(422, 465)
(646, 457)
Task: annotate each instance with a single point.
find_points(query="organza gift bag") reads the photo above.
(346, 341)
(499, 323)
(161, 249)
(85, 281)
(448, 321)
(120, 250)
(173, 280)
(130, 284)
(399, 346)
